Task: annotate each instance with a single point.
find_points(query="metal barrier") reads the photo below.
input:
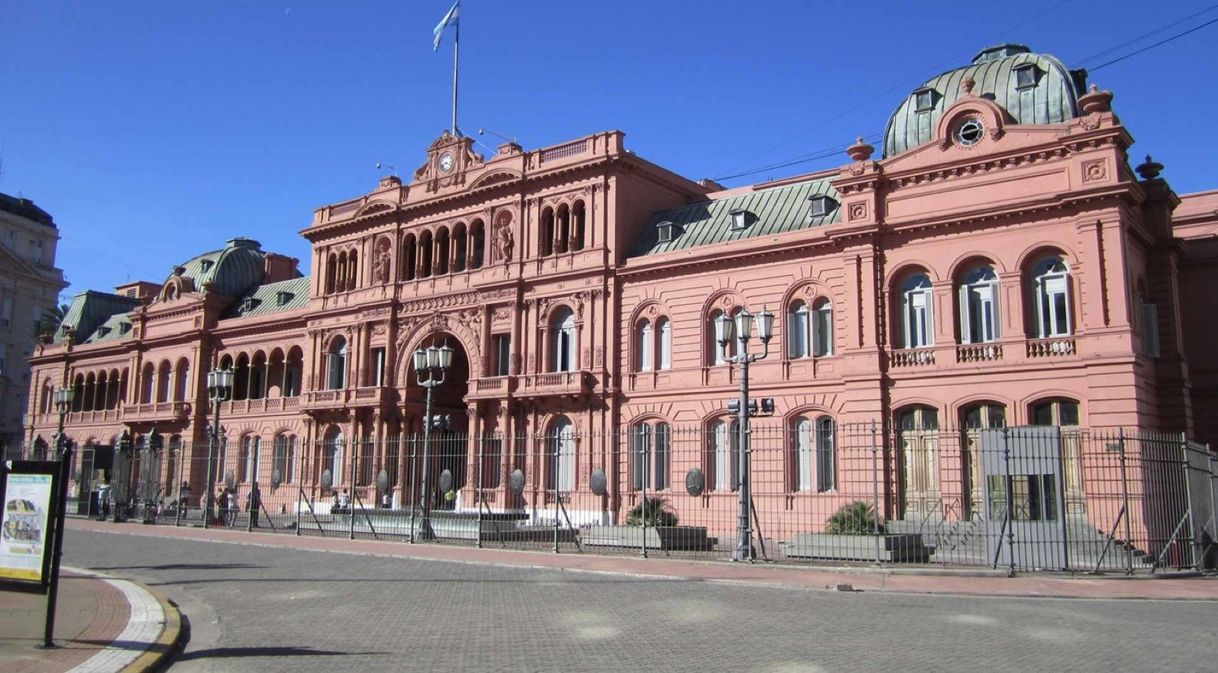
(1022, 498)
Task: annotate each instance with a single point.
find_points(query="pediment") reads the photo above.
(374, 207)
(495, 177)
(449, 160)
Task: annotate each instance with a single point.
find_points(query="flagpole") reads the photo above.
(456, 54)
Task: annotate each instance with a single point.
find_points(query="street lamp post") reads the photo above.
(430, 366)
(740, 329)
(63, 403)
(219, 388)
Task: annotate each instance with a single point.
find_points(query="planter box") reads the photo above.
(897, 548)
(666, 538)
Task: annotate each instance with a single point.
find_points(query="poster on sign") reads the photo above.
(24, 526)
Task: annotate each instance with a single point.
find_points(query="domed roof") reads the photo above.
(1033, 88)
(231, 270)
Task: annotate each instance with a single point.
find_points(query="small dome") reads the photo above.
(232, 271)
(1033, 88)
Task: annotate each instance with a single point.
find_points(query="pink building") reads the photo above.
(1001, 264)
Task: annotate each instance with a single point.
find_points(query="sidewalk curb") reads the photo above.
(159, 653)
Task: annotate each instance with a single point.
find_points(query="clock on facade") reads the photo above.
(446, 162)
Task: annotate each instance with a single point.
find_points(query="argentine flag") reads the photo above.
(450, 19)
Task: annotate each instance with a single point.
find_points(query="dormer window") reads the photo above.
(282, 297)
(1026, 76)
(924, 100)
(664, 232)
(103, 331)
(248, 304)
(740, 219)
(124, 327)
(65, 329)
(821, 205)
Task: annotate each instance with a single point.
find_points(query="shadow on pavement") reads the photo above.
(183, 566)
(229, 652)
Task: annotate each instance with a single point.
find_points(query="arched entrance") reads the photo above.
(444, 443)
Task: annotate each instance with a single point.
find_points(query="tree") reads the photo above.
(51, 318)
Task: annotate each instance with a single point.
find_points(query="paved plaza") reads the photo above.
(270, 607)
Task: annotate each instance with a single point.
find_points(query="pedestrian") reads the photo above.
(385, 501)
(343, 501)
(222, 505)
(253, 502)
(231, 502)
(103, 501)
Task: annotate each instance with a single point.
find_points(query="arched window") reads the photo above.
(477, 235)
(822, 327)
(1051, 297)
(639, 453)
(723, 466)
(814, 455)
(285, 459)
(332, 457)
(1062, 412)
(651, 446)
(799, 326)
(293, 372)
(577, 226)
(917, 315)
(665, 328)
(975, 418)
(340, 283)
(460, 248)
(425, 254)
(409, 257)
(249, 458)
(181, 375)
(564, 229)
(442, 252)
(561, 447)
(147, 384)
(331, 272)
(645, 345)
(337, 366)
(979, 306)
(547, 232)
(565, 341)
(352, 270)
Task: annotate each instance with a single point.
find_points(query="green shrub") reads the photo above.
(855, 518)
(657, 513)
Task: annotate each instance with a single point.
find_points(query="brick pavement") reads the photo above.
(94, 613)
(272, 604)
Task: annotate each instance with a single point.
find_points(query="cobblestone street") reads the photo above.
(268, 608)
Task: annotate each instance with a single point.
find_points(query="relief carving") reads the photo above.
(858, 211)
(1095, 171)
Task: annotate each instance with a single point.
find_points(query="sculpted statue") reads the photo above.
(503, 241)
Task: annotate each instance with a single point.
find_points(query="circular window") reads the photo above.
(970, 132)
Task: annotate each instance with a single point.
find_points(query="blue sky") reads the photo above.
(153, 131)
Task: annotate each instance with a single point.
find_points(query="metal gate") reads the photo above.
(1024, 509)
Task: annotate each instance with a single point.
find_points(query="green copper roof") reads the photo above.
(776, 210)
(116, 328)
(232, 270)
(272, 298)
(91, 309)
(1051, 100)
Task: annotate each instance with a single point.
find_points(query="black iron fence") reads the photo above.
(1022, 498)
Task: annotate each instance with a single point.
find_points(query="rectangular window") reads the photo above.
(1150, 329)
(378, 366)
(665, 344)
(660, 473)
(6, 312)
(503, 354)
(917, 320)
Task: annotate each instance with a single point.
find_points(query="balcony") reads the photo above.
(491, 387)
(156, 411)
(260, 406)
(557, 384)
(76, 417)
(974, 353)
(1050, 348)
(348, 397)
(912, 357)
